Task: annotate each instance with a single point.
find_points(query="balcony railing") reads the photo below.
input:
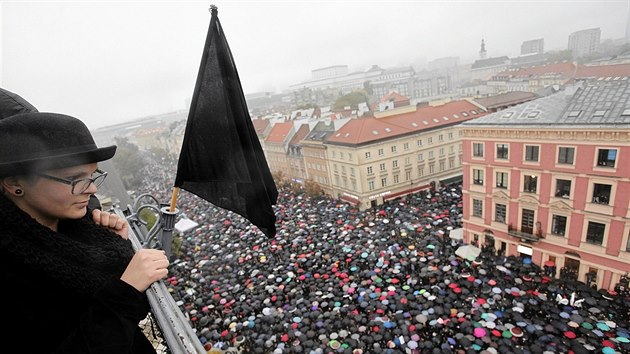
(525, 236)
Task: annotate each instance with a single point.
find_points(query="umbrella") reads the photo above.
(468, 252)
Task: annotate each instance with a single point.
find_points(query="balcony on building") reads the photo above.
(525, 234)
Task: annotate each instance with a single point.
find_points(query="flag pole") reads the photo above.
(174, 199)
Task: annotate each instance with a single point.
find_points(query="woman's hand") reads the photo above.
(111, 221)
(147, 266)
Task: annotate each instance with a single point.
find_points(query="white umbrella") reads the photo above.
(456, 234)
(468, 252)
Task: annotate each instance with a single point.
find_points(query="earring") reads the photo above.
(18, 191)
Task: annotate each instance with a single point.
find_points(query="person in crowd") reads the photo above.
(73, 284)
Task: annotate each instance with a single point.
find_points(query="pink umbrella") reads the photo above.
(479, 332)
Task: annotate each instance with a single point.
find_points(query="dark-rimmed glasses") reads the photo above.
(79, 185)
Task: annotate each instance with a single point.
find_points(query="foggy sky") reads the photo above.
(110, 61)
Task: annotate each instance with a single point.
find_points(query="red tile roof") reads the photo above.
(616, 70)
(566, 68)
(300, 134)
(260, 125)
(395, 97)
(279, 132)
(365, 130)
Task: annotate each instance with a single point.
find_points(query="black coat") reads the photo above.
(61, 291)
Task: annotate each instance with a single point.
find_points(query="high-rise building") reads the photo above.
(584, 42)
(534, 46)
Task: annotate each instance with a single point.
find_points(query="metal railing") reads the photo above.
(175, 329)
(525, 236)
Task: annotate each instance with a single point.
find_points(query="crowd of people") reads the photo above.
(390, 279)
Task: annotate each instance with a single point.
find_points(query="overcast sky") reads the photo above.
(110, 61)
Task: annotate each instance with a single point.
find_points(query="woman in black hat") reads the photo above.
(71, 285)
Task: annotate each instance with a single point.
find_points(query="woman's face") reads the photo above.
(49, 201)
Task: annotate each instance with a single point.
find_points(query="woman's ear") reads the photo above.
(12, 185)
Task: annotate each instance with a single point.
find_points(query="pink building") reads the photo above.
(550, 179)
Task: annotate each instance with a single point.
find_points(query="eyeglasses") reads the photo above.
(79, 185)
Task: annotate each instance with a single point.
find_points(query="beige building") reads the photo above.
(315, 158)
(398, 152)
(275, 147)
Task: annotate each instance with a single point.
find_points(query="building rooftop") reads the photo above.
(369, 130)
(589, 103)
(279, 132)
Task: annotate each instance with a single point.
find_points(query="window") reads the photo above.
(421, 156)
(384, 181)
(395, 163)
(431, 154)
(558, 225)
(421, 170)
(478, 177)
(530, 183)
(430, 140)
(565, 155)
(442, 165)
(341, 155)
(371, 185)
(352, 171)
(419, 142)
(500, 213)
(369, 170)
(431, 168)
(502, 180)
(450, 136)
(407, 175)
(380, 152)
(407, 161)
(441, 137)
(406, 146)
(441, 151)
(531, 153)
(563, 188)
(606, 157)
(502, 151)
(394, 148)
(477, 208)
(527, 223)
(601, 193)
(343, 169)
(382, 167)
(368, 155)
(335, 167)
(451, 163)
(396, 179)
(477, 149)
(350, 156)
(595, 233)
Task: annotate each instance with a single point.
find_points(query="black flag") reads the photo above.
(221, 159)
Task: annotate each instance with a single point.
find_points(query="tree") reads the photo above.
(129, 163)
(351, 100)
(312, 189)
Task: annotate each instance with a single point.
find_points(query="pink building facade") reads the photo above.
(550, 179)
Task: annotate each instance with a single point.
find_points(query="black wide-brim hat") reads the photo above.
(39, 141)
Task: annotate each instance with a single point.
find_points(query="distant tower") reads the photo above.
(482, 51)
